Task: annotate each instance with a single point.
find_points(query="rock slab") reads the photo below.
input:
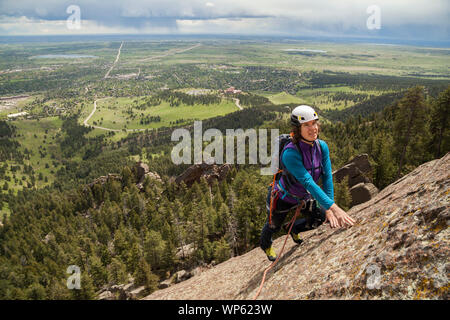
(398, 249)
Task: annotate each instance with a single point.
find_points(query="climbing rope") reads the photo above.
(272, 196)
(291, 224)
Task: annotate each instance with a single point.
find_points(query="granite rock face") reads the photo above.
(398, 249)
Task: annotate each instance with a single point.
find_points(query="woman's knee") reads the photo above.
(318, 218)
(274, 228)
(270, 228)
(321, 214)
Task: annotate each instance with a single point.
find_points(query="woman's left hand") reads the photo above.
(337, 217)
(329, 216)
(342, 216)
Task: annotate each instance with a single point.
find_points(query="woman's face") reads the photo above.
(309, 130)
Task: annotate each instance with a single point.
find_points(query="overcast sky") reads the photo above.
(405, 19)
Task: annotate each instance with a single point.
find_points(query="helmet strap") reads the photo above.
(307, 141)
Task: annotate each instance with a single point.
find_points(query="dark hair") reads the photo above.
(296, 135)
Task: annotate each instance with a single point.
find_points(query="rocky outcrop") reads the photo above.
(398, 249)
(358, 170)
(103, 179)
(185, 251)
(210, 172)
(363, 192)
(122, 292)
(183, 275)
(142, 171)
(48, 238)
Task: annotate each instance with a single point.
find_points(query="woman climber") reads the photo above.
(303, 161)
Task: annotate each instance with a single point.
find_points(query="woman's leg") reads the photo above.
(268, 230)
(313, 219)
(277, 220)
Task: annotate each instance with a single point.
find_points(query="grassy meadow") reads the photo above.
(38, 137)
(112, 113)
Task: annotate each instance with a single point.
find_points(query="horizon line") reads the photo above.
(329, 38)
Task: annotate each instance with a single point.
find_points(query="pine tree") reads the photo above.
(104, 235)
(201, 221)
(183, 192)
(87, 290)
(127, 177)
(232, 227)
(196, 192)
(176, 220)
(347, 152)
(98, 272)
(222, 250)
(114, 189)
(105, 256)
(439, 124)
(409, 123)
(169, 258)
(57, 290)
(342, 196)
(36, 292)
(116, 272)
(89, 198)
(154, 247)
(217, 197)
(205, 191)
(212, 220)
(223, 217)
(247, 208)
(97, 191)
(134, 255)
(384, 169)
(143, 276)
(120, 240)
(208, 251)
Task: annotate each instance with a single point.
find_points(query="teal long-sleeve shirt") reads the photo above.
(293, 161)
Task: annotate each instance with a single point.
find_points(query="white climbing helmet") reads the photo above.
(303, 114)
